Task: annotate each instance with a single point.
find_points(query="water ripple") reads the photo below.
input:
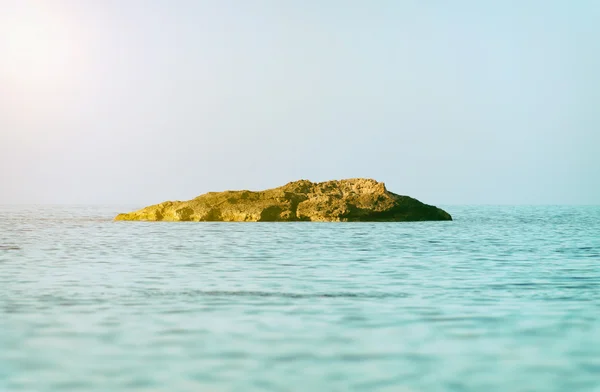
(224, 293)
(501, 299)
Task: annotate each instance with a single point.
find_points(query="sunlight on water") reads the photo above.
(501, 299)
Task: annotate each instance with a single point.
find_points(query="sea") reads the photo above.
(503, 298)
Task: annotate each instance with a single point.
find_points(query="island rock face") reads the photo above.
(351, 200)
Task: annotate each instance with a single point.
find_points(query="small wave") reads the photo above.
(273, 294)
(9, 247)
(580, 249)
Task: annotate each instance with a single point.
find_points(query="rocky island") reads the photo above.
(351, 200)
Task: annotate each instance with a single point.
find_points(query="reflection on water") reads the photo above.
(501, 299)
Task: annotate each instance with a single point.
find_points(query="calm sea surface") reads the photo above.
(500, 299)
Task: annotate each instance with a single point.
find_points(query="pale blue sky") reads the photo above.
(452, 102)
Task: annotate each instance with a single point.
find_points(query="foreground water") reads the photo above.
(501, 299)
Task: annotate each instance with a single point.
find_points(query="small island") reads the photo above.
(350, 200)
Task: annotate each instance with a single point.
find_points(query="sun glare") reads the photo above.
(37, 49)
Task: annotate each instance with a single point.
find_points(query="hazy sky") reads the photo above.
(452, 102)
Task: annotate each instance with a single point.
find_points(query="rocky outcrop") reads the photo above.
(352, 200)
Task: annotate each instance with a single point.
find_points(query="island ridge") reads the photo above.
(350, 200)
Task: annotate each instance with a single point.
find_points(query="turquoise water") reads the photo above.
(501, 299)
